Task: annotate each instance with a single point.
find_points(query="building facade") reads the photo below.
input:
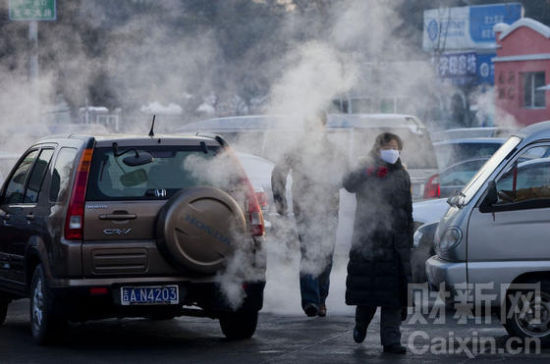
(522, 71)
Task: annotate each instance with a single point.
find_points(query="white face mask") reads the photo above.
(389, 155)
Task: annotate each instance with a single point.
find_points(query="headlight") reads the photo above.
(451, 238)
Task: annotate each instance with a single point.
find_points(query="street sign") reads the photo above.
(32, 10)
(465, 68)
(467, 27)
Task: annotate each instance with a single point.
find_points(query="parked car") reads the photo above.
(453, 151)
(121, 226)
(496, 233)
(452, 178)
(475, 132)
(426, 216)
(259, 170)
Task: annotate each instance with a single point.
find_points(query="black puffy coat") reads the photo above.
(379, 267)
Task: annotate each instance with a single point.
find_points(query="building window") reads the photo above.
(532, 96)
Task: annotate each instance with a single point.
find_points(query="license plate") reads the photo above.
(149, 295)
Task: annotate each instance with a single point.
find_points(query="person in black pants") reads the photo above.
(379, 267)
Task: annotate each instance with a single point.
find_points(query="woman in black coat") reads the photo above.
(379, 267)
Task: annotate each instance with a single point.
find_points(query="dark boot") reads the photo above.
(311, 309)
(359, 333)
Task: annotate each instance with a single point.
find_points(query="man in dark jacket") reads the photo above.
(379, 267)
(317, 169)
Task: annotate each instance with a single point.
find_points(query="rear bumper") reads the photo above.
(200, 299)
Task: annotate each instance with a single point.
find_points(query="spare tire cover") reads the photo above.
(197, 227)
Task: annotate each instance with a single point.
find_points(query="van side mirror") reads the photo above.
(491, 197)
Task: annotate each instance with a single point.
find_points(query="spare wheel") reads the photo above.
(197, 228)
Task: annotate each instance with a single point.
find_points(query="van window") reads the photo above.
(62, 174)
(172, 169)
(528, 178)
(488, 168)
(16, 187)
(37, 176)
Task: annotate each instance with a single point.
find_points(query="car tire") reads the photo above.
(239, 325)
(522, 324)
(47, 320)
(4, 303)
(196, 229)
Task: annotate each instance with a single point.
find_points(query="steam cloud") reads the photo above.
(329, 53)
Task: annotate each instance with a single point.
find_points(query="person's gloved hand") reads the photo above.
(379, 172)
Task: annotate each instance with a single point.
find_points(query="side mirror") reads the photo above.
(491, 197)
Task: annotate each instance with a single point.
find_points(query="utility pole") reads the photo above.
(34, 67)
(33, 11)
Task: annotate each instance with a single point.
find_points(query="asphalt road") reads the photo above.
(289, 338)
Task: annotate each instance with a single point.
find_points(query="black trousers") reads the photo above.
(390, 321)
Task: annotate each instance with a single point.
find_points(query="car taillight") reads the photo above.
(256, 220)
(255, 216)
(262, 199)
(432, 188)
(74, 223)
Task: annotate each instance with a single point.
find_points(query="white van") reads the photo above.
(493, 241)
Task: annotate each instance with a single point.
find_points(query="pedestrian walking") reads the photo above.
(379, 265)
(317, 169)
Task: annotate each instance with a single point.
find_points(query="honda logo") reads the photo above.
(160, 193)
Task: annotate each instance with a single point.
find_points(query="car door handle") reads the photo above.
(29, 217)
(118, 217)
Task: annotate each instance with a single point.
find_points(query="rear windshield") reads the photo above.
(172, 169)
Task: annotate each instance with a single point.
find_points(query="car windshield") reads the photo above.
(172, 169)
(451, 153)
(481, 176)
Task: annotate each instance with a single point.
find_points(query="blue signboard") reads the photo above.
(484, 17)
(466, 68)
(467, 27)
(485, 68)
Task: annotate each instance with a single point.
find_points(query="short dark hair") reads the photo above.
(386, 138)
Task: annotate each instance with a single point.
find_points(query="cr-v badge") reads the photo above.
(117, 231)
